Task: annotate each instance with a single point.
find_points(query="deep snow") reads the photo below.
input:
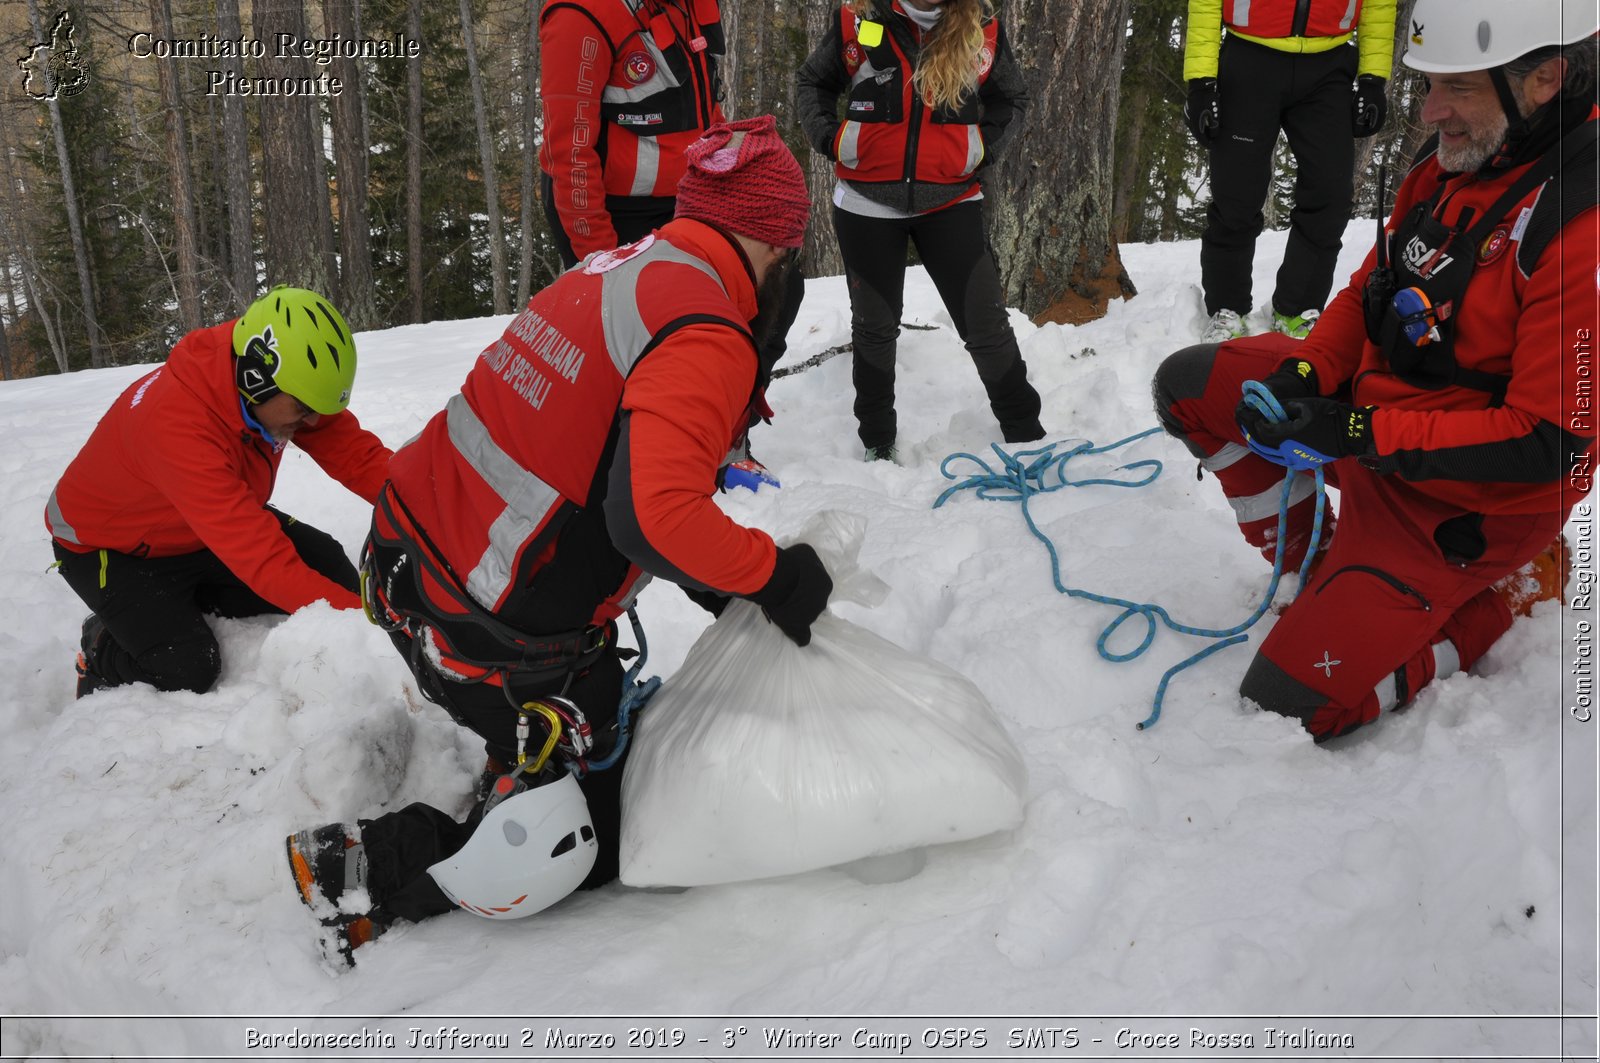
(1219, 864)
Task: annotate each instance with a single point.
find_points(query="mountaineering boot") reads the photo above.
(1541, 580)
(328, 861)
(1295, 326)
(1224, 325)
(343, 934)
(91, 647)
(883, 453)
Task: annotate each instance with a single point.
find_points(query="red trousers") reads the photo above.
(1401, 596)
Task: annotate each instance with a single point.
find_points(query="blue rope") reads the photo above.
(1024, 475)
(634, 696)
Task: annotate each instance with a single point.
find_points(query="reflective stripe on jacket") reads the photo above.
(626, 86)
(495, 478)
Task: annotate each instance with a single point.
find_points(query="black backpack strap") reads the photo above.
(1569, 193)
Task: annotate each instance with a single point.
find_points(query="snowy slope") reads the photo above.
(1217, 864)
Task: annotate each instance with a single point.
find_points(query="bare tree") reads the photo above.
(179, 177)
(80, 250)
(357, 294)
(299, 238)
(491, 185)
(821, 256)
(1051, 205)
(236, 149)
(33, 289)
(530, 152)
(414, 270)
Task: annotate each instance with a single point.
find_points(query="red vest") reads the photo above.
(659, 93)
(889, 132)
(491, 478)
(1292, 18)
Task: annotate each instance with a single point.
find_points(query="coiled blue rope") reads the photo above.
(1022, 476)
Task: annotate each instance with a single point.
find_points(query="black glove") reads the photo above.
(1317, 431)
(1201, 111)
(1369, 104)
(710, 601)
(1294, 379)
(797, 592)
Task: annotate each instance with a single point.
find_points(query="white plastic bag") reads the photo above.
(762, 758)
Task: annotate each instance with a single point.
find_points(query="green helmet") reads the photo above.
(292, 340)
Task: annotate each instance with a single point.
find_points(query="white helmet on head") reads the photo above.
(1459, 36)
(529, 851)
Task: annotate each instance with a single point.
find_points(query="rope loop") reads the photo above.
(1041, 470)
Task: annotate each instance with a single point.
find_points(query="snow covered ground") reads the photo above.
(1218, 865)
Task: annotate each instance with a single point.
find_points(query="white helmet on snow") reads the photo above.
(1459, 36)
(529, 851)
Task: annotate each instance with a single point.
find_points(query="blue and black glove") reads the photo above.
(1315, 432)
(1293, 379)
(1369, 104)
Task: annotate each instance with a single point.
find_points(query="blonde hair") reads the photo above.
(951, 53)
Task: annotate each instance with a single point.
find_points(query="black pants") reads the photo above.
(1308, 97)
(954, 248)
(633, 217)
(402, 845)
(154, 607)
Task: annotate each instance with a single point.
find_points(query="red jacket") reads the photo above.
(890, 134)
(584, 445)
(626, 86)
(172, 468)
(1454, 444)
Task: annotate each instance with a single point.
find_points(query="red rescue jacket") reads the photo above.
(582, 451)
(626, 86)
(172, 468)
(889, 132)
(1457, 443)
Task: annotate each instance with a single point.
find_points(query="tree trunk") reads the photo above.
(821, 255)
(414, 270)
(1050, 194)
(357, 292)
(294, 179)
(179, 177)
(236, 149)
(491, 185)
(530, 154)
(80, 250)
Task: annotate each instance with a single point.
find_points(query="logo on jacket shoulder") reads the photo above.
(639, 67)
(853, 55)
(606, 261)
(985, 60)
(1494, 245)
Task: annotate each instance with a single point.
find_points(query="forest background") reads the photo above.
(136, 206)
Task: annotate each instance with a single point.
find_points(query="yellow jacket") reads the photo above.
(1374, 30)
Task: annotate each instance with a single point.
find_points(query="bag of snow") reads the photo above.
(762, 758)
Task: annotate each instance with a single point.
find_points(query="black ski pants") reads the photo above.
(955, 249)
(402, 845)
(154, 607)
(1308, 96)
(633, 217)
